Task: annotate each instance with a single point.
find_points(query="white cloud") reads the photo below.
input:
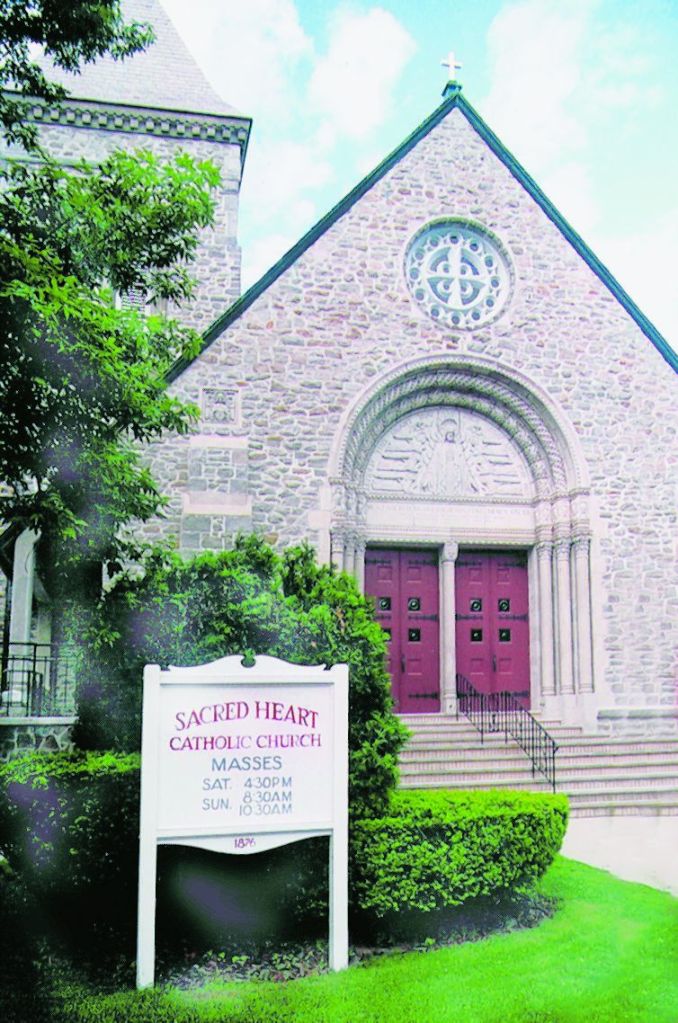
(280, 177)
(248, 50)
(281, 170)
(259, 58)
(352, 84)
(561, 76)
(559, 72)
(570, 189)
(644, 264)
(535, 55)
(262, 253)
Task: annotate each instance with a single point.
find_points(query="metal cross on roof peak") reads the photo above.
(453, 66)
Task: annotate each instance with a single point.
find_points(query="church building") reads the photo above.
(444, 391)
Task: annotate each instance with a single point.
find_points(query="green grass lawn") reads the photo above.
(610, 953)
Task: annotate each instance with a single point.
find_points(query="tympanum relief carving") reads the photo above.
(447, 453)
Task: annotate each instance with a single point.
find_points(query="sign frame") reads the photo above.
(232, 676)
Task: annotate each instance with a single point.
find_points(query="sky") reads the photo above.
(584, 93)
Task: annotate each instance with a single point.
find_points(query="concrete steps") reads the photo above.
(600, 775)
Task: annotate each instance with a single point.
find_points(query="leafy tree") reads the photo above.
(82, 380)
(249, 600)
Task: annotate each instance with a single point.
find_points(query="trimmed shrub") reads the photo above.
(438, 849)
(69, 825)
(249, 600)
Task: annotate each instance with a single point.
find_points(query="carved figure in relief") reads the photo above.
(448, 470)
(447, 453)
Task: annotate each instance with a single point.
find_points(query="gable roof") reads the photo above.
(165, 76)
(453, 98)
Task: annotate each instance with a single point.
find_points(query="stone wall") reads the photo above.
(639, 722)
(301, 355)
(19, 736)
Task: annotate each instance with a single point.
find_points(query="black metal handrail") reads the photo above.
(501, 712)
(36, 680)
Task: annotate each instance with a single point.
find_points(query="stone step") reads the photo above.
(597, 744)
(655, 780)
(569, 784)
(585, 747)
(477, 776)
(601, 775)
(453, 732)
(658, 793)
(483, 776)
(591, 801)
(427, 723)
(626, 808)
(567, 762)
(430, 780)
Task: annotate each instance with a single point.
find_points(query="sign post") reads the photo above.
(239, 760)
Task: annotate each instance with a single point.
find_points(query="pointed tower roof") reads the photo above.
(163, 77)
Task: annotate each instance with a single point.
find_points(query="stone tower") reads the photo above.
(159, 100)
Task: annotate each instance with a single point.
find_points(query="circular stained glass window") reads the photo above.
(458, 273)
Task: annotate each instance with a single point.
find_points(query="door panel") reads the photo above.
(492, 627)
(382, 581)
(404, 584)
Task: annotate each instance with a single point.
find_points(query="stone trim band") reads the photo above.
(144, 121)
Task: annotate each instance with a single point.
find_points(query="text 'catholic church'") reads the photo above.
(442, 389)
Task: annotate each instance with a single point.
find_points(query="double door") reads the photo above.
(491, 622)
(404, 584)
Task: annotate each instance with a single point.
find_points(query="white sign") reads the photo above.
(242, 759)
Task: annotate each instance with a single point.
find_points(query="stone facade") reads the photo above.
(441, 363)
(318, 372)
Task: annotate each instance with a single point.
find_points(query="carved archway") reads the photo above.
(413, 462)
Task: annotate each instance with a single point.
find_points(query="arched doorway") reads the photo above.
(454, 459)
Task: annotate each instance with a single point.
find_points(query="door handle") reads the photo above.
(494, 662)
(402, 664)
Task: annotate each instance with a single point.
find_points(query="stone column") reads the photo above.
(21, 611)
(582, 586)
(359, 563)
(545, 573)
(349, 553)
(448, 628)
(564, 589)
(337, 549)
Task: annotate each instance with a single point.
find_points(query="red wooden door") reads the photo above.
(404, 584)
(492, 627)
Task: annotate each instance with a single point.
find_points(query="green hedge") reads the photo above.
(437, 849)
(69, 829)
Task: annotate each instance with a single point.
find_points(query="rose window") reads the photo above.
(458, 274)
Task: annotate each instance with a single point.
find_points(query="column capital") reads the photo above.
(544, 550)
(450, 551)
(338, 540)
(562, 547)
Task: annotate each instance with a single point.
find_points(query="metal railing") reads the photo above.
(494, 713)
(36, 681)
